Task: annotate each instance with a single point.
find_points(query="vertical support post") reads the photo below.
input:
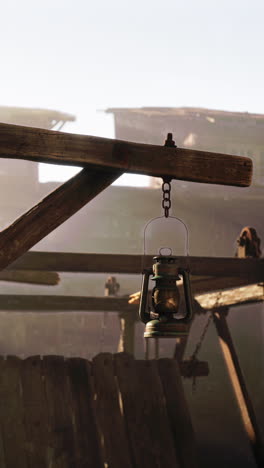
(146, 343)
(156, 348)
(239, 386)
(127, 332)
(180, 346)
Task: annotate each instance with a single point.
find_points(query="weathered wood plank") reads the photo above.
(47, 278)
(12, 414)
(64, 148)
(52, 211)
(43, 303)
(56, 303)
(216, 283)
(39, 447)
(88, 452)
(252, 269)
(109, 416)
(232, 297)
(179, 416)
(145, 413)
(61, 431)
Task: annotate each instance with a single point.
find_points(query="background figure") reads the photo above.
(248, 243)
(111, 286)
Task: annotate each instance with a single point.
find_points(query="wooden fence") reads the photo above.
(112, 412)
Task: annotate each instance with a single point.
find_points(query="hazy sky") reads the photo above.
(81, 56)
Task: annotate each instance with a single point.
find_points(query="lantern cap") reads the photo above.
(165, 266)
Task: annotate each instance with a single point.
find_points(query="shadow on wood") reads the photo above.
(114, 411)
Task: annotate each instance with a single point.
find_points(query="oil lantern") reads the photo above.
(164, 317)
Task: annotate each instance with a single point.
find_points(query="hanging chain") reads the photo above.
(193, 358)
(202, 337)
(166, 201)
(166, 186)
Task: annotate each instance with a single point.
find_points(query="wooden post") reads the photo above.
(180, 346)
(51, 212)
(239, 386)
(127, 332)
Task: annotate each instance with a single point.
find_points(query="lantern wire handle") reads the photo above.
(169, 217)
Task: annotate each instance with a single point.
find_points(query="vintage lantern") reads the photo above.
(164, 318)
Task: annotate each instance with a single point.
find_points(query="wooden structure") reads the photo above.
(148, 426)
(113, 411)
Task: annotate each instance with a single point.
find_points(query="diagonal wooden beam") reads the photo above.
(40, 145)
(51, 212)
(238, 383)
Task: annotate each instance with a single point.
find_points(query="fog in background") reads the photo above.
(82, 58)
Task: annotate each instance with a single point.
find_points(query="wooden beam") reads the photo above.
(48, 278)
(232, 297)
(54, 303)
(217, 283)
(40, 145)
(225, 272)
(218, 300)
(250, 269)
(239, 386)
(47, 215)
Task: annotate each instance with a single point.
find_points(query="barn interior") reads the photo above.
(58, 300)
(131, 234)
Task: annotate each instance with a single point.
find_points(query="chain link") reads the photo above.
(166, 201)
(193, 358)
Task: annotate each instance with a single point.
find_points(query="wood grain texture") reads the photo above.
(145, 413)
(252, 269)
(110, 420)
(12, 414)
(52, 211)
(87, 444)
(69, 413)
(59, 404)
(232, 297)
(179, 416)
(39, 446)
(64, 148)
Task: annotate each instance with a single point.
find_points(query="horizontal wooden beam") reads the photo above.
(251, 269)
(233, 297)
(47, 303)
(48, 146)
(51, 212)
(46, 278)
(58, 303)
